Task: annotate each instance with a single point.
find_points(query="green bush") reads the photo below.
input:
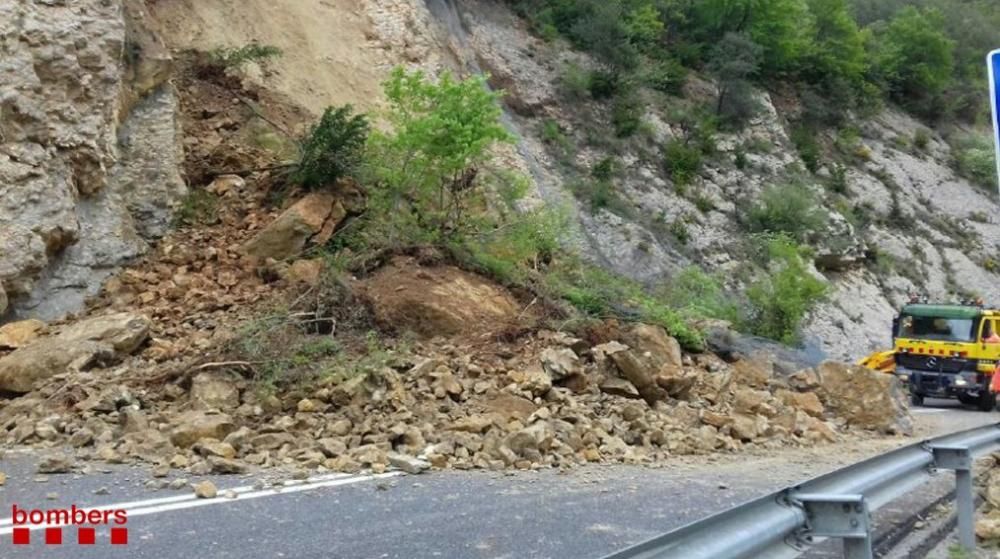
(198, 207)
(600, 293)
(626, 115)
(838, 179)
(508, 253)
(678, 228)
(237, 57)
(667, 76)
(789, 208)
(780, 301)
(605, 169)
(915, 57)
(575, 82)
(975, 159)
(697, 295)
(603, 84)
(804, 138)
(682, 161)
(921, 139)
(333, 148)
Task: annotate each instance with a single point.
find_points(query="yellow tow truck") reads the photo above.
(943, 351)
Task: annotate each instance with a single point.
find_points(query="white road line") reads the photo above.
(154, 506)
(190, 496)
(929, 410)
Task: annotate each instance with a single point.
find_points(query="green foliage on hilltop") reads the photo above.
(926, 55)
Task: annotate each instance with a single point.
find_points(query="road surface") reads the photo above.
(585, 513)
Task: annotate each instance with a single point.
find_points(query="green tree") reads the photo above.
(333, 148)
(644, 26)
(838, 51)
(427, 167)
(733, 62)
(915, 58)
(781, 27)
(603, 32)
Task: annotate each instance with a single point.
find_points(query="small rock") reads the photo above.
(205, 490)
(102, 491)
(179, 483)
(160, 470)
(55, 464)
(306, 405)
(52, 496)
(408, 464)
(3, 479)
(230, 494)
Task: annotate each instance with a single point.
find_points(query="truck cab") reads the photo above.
(945, 351)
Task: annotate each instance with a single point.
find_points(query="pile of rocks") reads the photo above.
(547, 400)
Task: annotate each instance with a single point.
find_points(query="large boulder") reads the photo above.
(864, 398)
(212, 390)
(287, 235)
(76, 347)
(441, 301)
(190, 427)
(654, 345)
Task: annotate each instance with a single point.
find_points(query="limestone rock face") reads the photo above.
(89, 153)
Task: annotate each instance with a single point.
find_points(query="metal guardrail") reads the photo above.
(836, 505)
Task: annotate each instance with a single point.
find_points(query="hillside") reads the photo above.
(340, 236)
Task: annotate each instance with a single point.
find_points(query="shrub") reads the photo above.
(667, 76)
(975, 159)
(604, 170)
(198, 207)
(789, 208)
(333, 148)
(575, 82)
(780, 301)
(626, 115)
(680, 231)
(682, 161)
(921, 139)
(838, 179)
(600, 293)
(804, 138)
(509, 252)
(237, 57)
(696, 294)
(603, 84)
(553, 135)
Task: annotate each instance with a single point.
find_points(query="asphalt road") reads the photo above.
(582, 514)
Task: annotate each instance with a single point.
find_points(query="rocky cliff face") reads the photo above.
(89, 149)
(89, 156)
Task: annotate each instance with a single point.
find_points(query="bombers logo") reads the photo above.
(86, 522)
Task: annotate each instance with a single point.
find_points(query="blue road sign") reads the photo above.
(993, 64)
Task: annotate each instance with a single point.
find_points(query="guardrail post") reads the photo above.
(959, 459)
(838, 516)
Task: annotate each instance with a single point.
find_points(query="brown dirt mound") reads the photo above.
(441, 301)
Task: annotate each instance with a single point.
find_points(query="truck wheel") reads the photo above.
(968, 400)
(917, 399)
(987, 401)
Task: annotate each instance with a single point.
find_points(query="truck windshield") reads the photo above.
(931, 328)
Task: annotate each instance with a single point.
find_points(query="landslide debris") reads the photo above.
(332, 397)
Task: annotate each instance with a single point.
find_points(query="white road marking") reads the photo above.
(166, 504)
(929, 410)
